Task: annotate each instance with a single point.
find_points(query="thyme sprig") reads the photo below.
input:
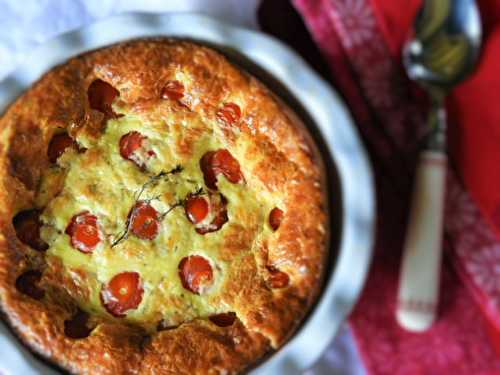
(152, 181)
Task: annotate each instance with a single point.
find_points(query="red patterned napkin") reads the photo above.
(361, 40)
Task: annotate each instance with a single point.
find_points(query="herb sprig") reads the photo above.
(152, 181)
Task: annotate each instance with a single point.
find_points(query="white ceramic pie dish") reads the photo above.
(328, 120)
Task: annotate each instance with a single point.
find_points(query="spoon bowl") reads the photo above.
(446, 43)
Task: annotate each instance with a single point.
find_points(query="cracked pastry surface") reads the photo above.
(162, 212)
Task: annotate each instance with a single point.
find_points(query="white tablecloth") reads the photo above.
(27, 23)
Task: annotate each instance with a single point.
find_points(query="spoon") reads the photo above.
(443, 52)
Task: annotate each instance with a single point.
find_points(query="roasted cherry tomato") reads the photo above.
(58, 144)
(223, 319)
(84, 232)
(207, 213)
(277, 278)
(122, 293)
(196, 208)
(229, 113)
(101, 96)
(132, 148)
(275, 218)
(195, 273)
(144, 221)
(218, 221)
(173, 90)
(218, 162)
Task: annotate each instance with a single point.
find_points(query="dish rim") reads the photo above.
(342, 141)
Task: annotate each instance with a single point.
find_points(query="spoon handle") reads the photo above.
(420, 269)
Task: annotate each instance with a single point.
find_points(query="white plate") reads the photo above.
(327, 113)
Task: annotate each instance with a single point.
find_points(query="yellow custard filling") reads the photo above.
(102, 182)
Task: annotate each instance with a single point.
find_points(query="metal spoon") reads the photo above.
(442, 52)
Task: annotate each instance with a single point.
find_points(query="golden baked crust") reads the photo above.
(171, 331)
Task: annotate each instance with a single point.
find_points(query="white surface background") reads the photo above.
(25, 24)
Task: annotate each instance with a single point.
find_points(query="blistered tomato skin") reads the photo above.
(209, 174)
(133, 148)
(173, 90)
(144, 221)
(123, 293)
(277, 279)
(196, 208)
(275, 218)
(101, 96)
(225, 163)
(208, 213)
(84, 232)
(218, 221)
(58, 145)
(218, 162)
(229, 114)
(223, 319)
(129, 143)
(196, 274)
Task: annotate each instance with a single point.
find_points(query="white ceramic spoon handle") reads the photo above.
(420, 269)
